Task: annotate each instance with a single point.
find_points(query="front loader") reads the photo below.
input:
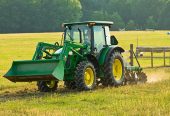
(88, 56)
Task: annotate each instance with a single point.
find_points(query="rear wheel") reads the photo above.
(114, 70)
(85, 76)
(47, 86)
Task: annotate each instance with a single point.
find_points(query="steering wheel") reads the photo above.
(57, 44)
(47, 53)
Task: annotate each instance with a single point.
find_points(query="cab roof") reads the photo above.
(108, 23)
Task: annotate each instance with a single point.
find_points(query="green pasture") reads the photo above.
(152, 98)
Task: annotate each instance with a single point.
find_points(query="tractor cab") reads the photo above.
(95, 34)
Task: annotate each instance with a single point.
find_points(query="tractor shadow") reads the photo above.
(26, 94)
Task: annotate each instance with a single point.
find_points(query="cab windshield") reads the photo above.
(78, 33)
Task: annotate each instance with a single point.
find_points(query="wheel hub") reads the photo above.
(117, 69)
(50, 84)
(89, 77)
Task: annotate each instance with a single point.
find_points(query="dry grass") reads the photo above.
(152, 98)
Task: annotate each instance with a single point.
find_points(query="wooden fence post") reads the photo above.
(164, 58)
(131, 54)
(152, 58)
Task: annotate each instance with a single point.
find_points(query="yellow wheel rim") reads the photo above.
(117, 69)
(50, 84)
(89, 77)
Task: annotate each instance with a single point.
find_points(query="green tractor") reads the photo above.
(87, 56)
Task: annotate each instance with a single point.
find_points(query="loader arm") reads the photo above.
(42, 47)
(44, 69)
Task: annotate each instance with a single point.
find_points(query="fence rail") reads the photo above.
(150, 50)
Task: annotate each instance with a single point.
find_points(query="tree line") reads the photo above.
(48, 15)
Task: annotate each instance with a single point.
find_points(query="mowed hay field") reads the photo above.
(152, 98)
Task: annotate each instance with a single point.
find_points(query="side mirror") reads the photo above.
(113, 40)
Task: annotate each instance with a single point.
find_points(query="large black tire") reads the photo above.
(83, 71)
(111, 79)
(70, 84)
(47, 86)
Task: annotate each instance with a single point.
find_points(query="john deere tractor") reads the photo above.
(87, 56)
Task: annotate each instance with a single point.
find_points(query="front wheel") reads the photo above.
(85, 76)
(114, 70)
(47, 86)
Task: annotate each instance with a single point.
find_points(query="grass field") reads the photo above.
(152, 98)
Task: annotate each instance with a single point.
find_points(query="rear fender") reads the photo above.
(107, 52)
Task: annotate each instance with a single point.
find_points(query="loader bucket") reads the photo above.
(27, 71)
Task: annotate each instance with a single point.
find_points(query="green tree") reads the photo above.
(118, 21)
(103, 15)
(48, 15)
(151, 23)
(131, 25)
(37, 15)
(15, 15)
(142, 9)
(164, 20)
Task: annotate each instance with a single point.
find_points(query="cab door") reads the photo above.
(101, 37)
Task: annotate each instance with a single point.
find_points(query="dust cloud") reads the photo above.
(157, 76)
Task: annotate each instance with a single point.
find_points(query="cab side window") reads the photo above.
(99, 37)
(107, 30)
(87, 36)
